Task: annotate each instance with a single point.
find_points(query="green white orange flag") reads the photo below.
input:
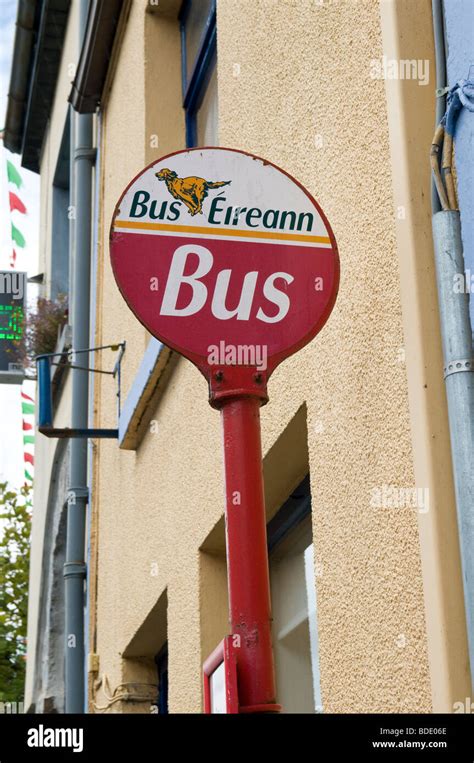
(28, 409)
(17, 237)
(13, 174)
(16, 203)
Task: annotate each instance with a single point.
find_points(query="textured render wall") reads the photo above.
(45, 452)
(46, 448)
(303, 78)
(122, 156)
(407, 34)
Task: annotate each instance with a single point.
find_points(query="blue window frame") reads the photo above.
(294, 603)
(198, 57)
(161, 661)
(289, 516)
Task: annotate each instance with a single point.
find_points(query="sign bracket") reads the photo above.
(45, 393)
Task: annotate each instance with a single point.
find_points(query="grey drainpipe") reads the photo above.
(82, 156)
(458, 359)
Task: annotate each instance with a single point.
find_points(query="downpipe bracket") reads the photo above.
(77, 494)
(465, 365)
(74, 570)
(89, 154)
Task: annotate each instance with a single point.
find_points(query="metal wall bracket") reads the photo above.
(458, 367)
(45, 394)
(85, 153)
(74, 570)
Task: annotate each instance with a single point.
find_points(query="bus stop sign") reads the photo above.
(228, 260)
(224, 257)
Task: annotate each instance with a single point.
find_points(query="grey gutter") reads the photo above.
(48, 52)
(20, 71)
(83, 157)
(99, 36)
(34, 76)
(459, 381)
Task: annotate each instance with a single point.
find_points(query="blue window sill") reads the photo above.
(151, 377)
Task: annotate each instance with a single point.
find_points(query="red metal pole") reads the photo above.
(247, 556)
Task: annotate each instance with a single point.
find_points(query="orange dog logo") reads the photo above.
(191, 191)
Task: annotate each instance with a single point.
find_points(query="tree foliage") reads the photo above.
(15, 524)
(41, 330)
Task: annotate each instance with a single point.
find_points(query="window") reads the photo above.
(145, 658)
(199, 76)
(60, 219)
(161, 661)
(295, 635)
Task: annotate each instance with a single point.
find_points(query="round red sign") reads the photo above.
(224, 257)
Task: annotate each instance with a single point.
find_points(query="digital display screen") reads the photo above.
(11, 322)
(12, 317)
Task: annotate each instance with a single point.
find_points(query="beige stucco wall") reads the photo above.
(46, 448)
(410, 117)
(304, 99)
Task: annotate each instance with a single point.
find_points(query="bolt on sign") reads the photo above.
(228, 260)
(225, 258)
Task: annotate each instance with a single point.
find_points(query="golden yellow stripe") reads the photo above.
(221, 232)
